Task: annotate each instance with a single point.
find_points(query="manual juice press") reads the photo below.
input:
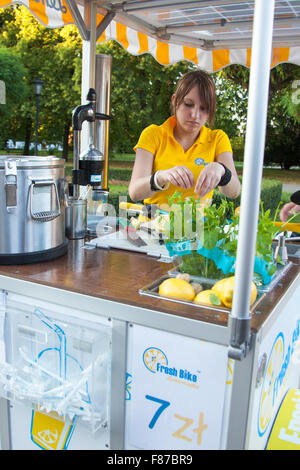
(88, 168)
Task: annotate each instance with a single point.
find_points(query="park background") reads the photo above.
(141, 91)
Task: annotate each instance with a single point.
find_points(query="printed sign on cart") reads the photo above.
(175, 391)
(281, 349)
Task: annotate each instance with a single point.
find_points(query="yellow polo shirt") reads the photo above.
(160, 141)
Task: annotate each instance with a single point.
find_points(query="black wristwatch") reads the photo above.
(226, 177)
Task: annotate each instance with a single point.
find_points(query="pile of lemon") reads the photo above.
(221, 294)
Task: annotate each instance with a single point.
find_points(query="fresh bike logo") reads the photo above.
(275, 375)
(156, 361)
(200, 162)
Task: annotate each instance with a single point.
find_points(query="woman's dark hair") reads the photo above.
(207, 91)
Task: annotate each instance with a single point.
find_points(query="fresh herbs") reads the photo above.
(212, 225)
(266, 231)
(215, 227)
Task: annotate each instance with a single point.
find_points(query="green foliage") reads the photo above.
(216, 227)
(266, 230)
(290, 100)
(283, 131)
(141, 90)
(141, 93)
(123, 174)
(238, 145)
(231, 111)
(283, 141)
(270, 195)
(52, 55)
(13, 74)
(114, 194)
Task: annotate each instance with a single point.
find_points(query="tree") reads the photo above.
(53, 56)
(231, 111)
(282, 137)
(141, 91)
(283, 133)
(13, 74)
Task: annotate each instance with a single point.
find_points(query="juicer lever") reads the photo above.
(102, 117)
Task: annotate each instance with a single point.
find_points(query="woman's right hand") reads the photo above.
(180, 176)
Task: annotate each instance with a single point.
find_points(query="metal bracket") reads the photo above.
(104, 23)
(240, 337)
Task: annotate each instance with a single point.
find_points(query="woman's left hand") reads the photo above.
(209, 178)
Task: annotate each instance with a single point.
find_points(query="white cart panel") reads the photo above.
(175, 391)
(31, 431)
(280, 353)
(55, 370)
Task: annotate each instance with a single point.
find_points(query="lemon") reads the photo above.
(237, 210)
(207, 297)
(224, 289)
(179, 288)
(218, 287)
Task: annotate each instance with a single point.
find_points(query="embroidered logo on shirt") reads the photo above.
(200, 161)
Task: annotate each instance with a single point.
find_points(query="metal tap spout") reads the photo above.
(85, 112)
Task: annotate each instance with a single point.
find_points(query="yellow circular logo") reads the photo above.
(268, 393)
(152, 357)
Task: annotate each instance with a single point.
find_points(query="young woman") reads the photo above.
(183, 154)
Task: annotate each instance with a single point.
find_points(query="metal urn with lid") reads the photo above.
(32, 216)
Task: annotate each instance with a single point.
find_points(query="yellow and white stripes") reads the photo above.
(56, 14)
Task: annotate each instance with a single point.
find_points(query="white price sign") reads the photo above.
(175, 391)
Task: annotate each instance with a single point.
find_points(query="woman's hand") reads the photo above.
(179, 176)
(288, 210)
(209, 178)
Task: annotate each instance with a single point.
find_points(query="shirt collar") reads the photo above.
(170, 123)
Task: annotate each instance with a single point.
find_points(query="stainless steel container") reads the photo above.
(32, 218)
(76, 213)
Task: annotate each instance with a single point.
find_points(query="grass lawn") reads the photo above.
(284, 176)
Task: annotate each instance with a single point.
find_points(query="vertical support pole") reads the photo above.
(5, 441)
(236, 415)
(36, 151)
(88, 63)
(118, 383)
(102, 87)
(240, 317)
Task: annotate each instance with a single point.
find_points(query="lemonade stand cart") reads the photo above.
(87, 361)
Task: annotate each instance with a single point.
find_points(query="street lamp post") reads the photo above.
(38, 83)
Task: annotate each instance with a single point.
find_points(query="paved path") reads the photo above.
(290, 188)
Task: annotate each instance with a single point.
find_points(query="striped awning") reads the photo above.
(139, 43)
(204, 46)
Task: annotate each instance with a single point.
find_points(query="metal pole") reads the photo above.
(88, 65)
(102, 86)
(36, 125)
(240, 317)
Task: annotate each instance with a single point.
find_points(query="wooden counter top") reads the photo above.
(117, 275)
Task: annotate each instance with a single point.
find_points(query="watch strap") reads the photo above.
(226, 177)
